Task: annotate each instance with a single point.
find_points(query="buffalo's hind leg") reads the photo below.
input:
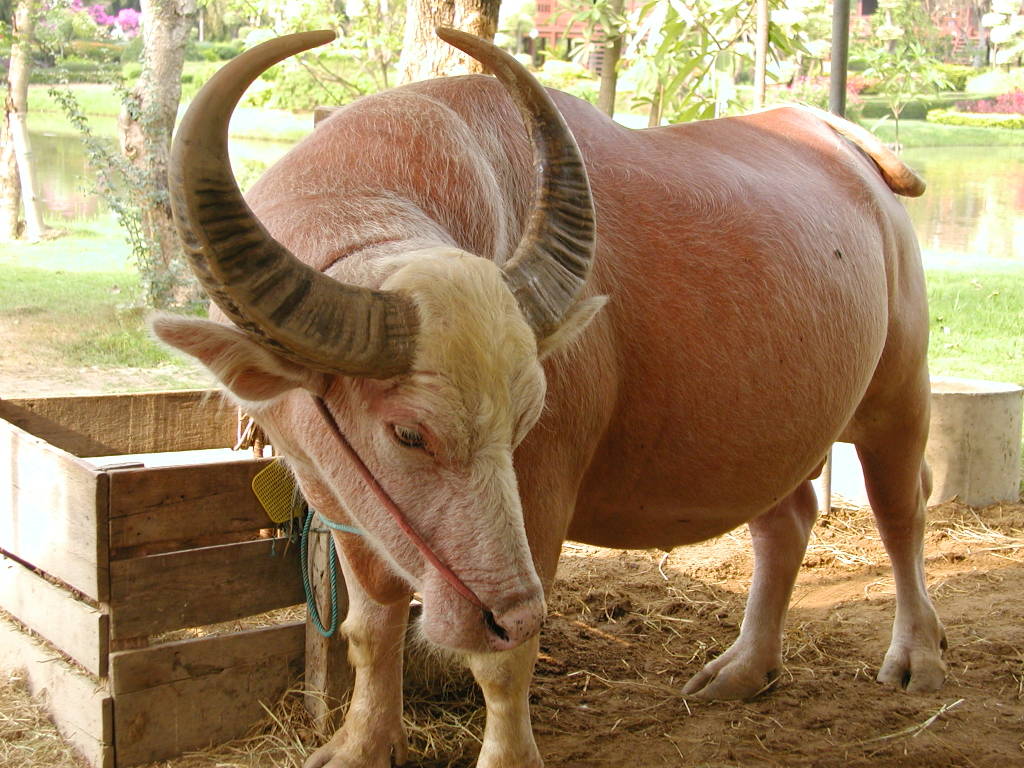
(754, 661)
(890, 442)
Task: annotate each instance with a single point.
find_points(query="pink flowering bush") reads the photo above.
(1005, 104)
(126, 21)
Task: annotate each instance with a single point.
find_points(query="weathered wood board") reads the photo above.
(158, 509)
(69, 624)
(53, 511)
(80, 706)
(148, 547)
(103, 425)
(188, 695)
(194, 587)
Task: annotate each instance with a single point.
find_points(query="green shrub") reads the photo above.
(193, 51)
(228, 51)
(957, 75)
(131, 70)
(856, 64)
(95, 50)
(299, 90)
(975, 119)
(132, 52)
(570, 77)
(207, 51)
(195, 76)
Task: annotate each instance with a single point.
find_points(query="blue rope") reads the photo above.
(340, 526)
(332, 568)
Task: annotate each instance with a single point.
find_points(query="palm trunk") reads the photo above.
(146, 125)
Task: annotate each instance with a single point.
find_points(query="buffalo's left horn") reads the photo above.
(287, 305)
(550, 265)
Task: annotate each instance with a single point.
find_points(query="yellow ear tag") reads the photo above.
(276, 491)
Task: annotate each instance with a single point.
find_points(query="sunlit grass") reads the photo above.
(977, 324)
(919, 133)
(74, 301)
(75, 246)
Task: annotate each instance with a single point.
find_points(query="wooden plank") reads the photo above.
(80, 706)
(162, 508)
(53, 511)
(183, 660)
(69, 624)
(191, 694)
(104, 425)
(160, 593)
(328, 677)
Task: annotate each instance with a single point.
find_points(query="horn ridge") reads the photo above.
(282, 302)
(550, 265)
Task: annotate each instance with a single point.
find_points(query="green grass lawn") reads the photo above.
(919, 133)
(72, 301)
(977, 318)
(977, 324)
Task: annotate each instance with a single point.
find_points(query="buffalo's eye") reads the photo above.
(408, 436)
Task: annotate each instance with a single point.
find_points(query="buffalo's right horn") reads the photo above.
(550, 265)
(287, 305)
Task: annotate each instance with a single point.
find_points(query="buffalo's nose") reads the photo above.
(514, 625)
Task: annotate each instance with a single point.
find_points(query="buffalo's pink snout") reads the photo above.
(510, 627)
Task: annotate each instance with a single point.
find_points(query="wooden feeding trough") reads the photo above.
(114, 566)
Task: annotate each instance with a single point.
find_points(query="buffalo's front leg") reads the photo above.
(754, 661)
(372, 735)
(504, 679)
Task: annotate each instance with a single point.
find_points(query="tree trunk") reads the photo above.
(610, 64)
(761, 53)
(424, 54)
(17, 181)
(654, 115)
(146, 124)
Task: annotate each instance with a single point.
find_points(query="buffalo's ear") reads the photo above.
(573, 324)
(250, 371)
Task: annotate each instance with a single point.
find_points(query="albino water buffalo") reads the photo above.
(474, 341)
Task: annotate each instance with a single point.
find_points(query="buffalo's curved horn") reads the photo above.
(551, 262)
(285, 304)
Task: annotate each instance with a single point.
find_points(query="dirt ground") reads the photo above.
(627, 629)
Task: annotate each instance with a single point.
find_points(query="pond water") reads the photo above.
(65, 183)
(972, 215)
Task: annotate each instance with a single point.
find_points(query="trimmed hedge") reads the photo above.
(975, 119)
(874, 108)
(74, 70)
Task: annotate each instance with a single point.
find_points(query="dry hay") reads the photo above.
(627, 629)
(27, 737)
